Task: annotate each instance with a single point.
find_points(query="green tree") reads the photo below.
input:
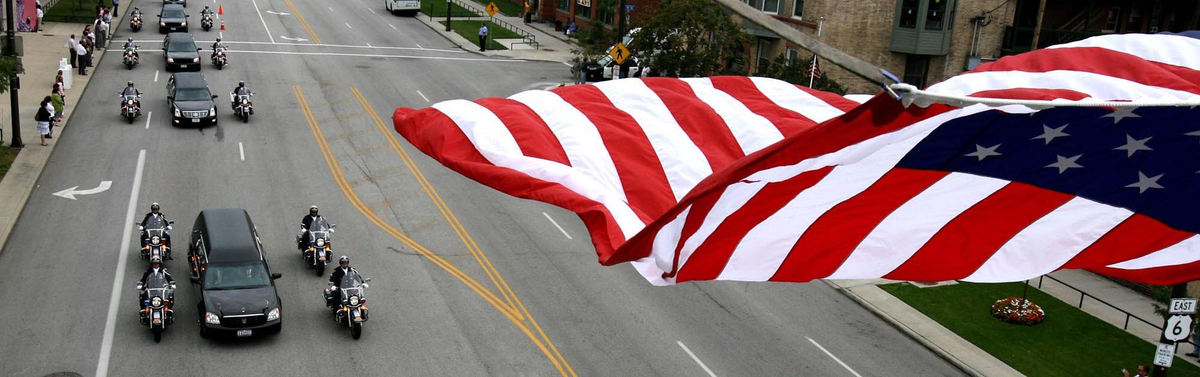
(9, 67)
(684, 38)
(796, 72)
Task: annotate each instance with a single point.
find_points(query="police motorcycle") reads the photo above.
(129, 107)
(130, 57)
(156, 239)
(351, 311)
(158, 296)
(320, 245)
(206, 21)
(219, 58)
(135, 20)
(242, 107)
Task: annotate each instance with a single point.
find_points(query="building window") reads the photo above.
(768, 6)
(935, 15)
(1114, 18)
(583, 8)
(764, 55)
(793, 56)
(607, 12)
(798, 9)
(916, 67)
(564, 5)
(908, 13)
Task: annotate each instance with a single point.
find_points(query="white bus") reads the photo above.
(404, 7)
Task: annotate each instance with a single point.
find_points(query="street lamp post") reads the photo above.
(10, 50)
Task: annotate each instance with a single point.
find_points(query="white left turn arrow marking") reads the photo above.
(279, 13)
(287, 38)
(71, 192)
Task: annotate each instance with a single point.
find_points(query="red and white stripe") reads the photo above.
(619, 153)
(754, 179)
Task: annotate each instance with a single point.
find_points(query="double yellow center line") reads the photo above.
(509, 305)
(303, 22)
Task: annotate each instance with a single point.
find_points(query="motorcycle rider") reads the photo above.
(206, 12)
(217, 45)
(156, 268)
(131, 47)
(136, 13)
(241, 89)
(306, 222)
(335, 278)
(154, 212)
(137, 100)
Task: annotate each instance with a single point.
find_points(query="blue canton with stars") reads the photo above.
(1146, 159)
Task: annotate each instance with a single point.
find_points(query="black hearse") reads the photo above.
(237, 288)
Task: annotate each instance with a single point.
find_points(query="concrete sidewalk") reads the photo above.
(978, 362)
(43, 51)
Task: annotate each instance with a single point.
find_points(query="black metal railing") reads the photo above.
(1083, 295)
(527, 38)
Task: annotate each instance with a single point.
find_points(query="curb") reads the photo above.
(946, 354)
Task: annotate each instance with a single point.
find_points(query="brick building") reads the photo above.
(926, 41)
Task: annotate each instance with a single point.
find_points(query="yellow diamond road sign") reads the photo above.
(619, 53)
(492, 9)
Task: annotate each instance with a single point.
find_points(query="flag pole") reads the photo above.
(812, 71)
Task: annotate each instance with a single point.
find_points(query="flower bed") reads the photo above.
(1018, 311)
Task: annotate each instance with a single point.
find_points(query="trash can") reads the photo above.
(68, 73)
(558, 25)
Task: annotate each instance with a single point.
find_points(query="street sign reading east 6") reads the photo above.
(1178, 328)
(492, 9)
(619, 53)
(1183, 306)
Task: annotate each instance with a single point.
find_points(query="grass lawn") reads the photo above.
(437, 8)
(470, 31)
(76, 11)
(1068, 343)
(7, 155)
(507, 8)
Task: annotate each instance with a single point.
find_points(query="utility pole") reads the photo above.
(620, 21)
(448, 15)
(10, 50)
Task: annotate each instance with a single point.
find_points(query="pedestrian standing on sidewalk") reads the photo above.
(40, 13)
(43, 120)
(528, 15)
(71, 43)
(81, 57)
(115, 4)
(483, 33)
(50, 108)
(57, 101)
(101, 33)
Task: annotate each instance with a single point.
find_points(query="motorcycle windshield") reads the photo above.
(320, 229)
(157, 285)
(352, 284)
(155, 225)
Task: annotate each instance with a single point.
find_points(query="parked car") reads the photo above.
(190, 100)
(403, 7)
(606, 67)
(237, 288)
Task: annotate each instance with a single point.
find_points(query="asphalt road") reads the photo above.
(466, 281)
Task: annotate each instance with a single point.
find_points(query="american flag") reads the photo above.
(685, 179)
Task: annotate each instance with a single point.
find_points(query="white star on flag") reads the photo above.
(1049, 134)
(1065, 163)
(983, 153)
(1145, 183)
(1122, 113)
(1133, 145)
